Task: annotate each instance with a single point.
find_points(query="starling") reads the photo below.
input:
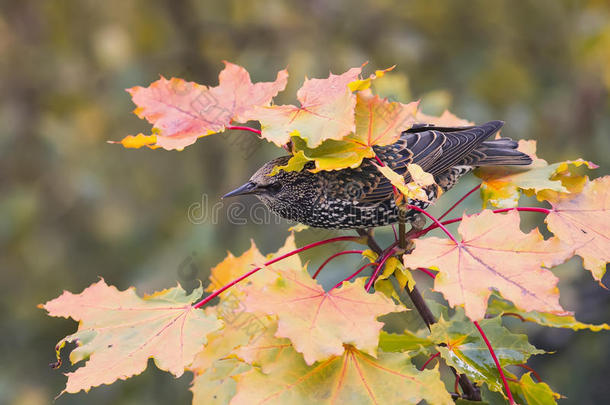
(363, 197)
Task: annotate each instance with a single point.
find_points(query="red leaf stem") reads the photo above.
(345, 252)
(451, 221)
(384, 258)
(429, 360)
(493, 355)
(274, 260)
(427, 271)
(256, 131)
(436, 221)
(525, 366)
(515, 315)
(459, 201)
(353, 275)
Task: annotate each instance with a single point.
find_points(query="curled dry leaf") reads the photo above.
(414, 189)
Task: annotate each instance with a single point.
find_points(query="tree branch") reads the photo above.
(471, 392)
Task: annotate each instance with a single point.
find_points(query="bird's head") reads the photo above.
(281, 192)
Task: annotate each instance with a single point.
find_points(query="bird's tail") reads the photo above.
(500, 152)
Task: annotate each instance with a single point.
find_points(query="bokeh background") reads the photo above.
(73, 208)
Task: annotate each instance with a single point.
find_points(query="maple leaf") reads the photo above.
(584, 223)
(502, 186)
(233, 267)
(464, 349)
(319, 323)
(353, 377)
(330, 155)
(240, 329)
(403, 276)
(527, 391)
(404, 342)
(494, 254)
(183, 111)
(378, 122)
(263, 351)
(499, 306)
(118, 332)
(215, 385)
(326, 112)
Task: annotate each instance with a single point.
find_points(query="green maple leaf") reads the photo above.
(403, 342)
(464, 348)
(529, 392)
(216, 385)
(502, 186)
(498, 306)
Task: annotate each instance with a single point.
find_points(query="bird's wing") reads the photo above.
(433, 150)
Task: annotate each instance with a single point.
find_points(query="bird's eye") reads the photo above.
(275, 187)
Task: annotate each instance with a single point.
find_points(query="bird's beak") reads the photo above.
(248, 188)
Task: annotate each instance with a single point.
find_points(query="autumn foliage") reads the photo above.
(268, 332)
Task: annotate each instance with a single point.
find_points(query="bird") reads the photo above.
(361, 197)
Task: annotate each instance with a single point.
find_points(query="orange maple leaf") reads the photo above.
(326, 112)
(319, 323)
(584, 223)
(494, 255)
(183, 111)
(379, 121)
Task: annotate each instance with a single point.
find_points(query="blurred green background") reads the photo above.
(73, 208)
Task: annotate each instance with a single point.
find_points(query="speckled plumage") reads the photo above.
(363, 197)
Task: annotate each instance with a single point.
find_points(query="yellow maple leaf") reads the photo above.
(502, 186)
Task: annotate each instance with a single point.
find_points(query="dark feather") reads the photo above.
(437, 150)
